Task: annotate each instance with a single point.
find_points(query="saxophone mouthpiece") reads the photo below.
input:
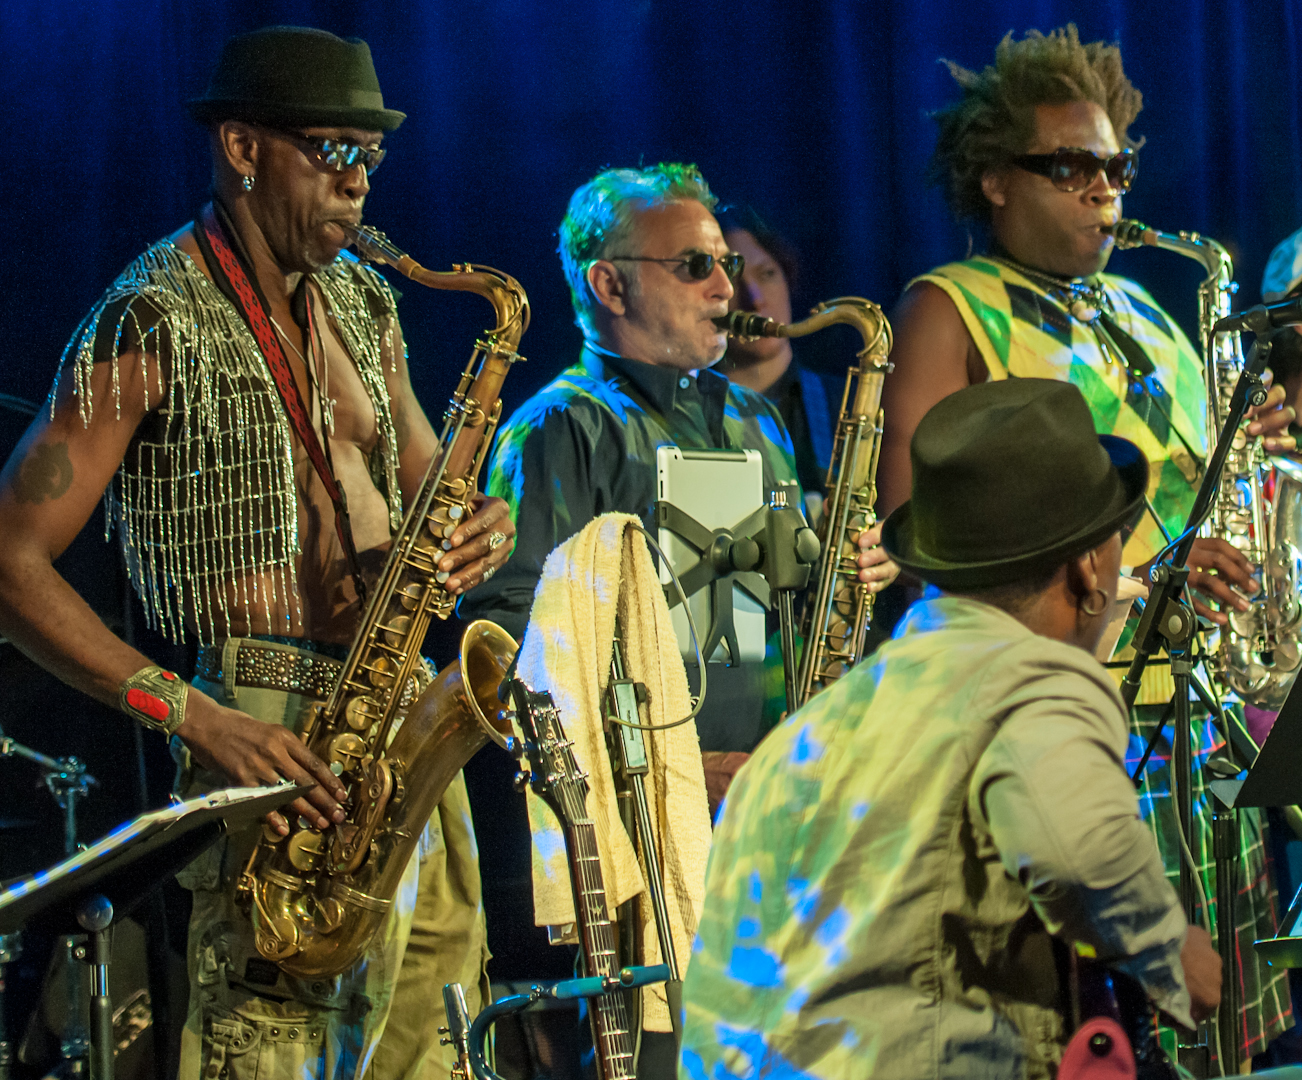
(747, 324)
(1129, 233)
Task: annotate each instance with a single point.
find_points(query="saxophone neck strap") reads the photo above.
(239, 287)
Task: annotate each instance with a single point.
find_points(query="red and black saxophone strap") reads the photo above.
(238, 286)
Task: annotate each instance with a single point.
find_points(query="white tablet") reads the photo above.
(719, 489)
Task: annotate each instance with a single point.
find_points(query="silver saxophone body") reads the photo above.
(1258, 505)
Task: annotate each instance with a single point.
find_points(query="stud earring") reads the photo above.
(248, 183)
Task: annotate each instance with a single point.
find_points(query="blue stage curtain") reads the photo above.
(815, 113)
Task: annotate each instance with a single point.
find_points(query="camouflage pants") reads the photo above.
(379, 1020)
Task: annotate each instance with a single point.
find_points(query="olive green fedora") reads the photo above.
(296, 76)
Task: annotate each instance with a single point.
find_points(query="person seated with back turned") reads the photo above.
(1036, 155)
(895, 867)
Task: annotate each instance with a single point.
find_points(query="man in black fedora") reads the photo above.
(234, 386)
(893, 864)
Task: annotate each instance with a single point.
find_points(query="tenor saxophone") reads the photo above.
(316, 898)
(837, 615)
(1258, 655)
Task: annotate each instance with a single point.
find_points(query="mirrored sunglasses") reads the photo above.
(1073, 168)
(700, 264)
(336, 153)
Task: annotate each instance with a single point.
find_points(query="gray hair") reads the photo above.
(599, 220)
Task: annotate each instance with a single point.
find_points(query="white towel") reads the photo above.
(567, 648)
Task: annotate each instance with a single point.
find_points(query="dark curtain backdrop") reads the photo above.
(815, 113)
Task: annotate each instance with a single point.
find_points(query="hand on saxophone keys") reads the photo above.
(1271, 419)
(875, 567)
(479, 546)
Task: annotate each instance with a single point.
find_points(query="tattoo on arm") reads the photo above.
(46, 473)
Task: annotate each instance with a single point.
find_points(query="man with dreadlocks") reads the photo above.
(1036, 154)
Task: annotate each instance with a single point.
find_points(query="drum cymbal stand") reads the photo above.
(67, 780)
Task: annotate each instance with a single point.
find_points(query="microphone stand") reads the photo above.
(1168, 622)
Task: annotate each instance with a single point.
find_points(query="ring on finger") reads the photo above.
(489, 572)
(496, 540)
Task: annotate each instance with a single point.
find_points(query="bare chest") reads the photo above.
(328, 381)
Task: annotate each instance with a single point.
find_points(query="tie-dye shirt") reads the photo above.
(890, 862)
(586, 445)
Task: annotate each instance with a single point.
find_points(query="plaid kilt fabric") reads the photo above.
(1024, 329)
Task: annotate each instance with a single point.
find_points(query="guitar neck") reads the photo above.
(611, 1035)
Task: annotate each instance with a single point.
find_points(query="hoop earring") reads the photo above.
(1102, 607)
(248, 182)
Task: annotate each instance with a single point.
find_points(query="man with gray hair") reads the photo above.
(649, 272)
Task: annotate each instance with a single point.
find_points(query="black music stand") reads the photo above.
(1276, 780)
(87, 890)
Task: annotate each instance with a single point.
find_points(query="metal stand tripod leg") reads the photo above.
(1225, 849)
(95, 916)
(9, 949)
(631, 758)
(1196, 1055)
(787, 625)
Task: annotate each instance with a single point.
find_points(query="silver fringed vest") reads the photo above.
(205, 496)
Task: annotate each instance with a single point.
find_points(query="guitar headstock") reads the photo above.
(554, 772)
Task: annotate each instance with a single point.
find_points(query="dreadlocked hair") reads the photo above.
(994, 121)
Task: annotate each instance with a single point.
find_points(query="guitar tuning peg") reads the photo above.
(445, 1041)
(521, 781)
(445, 1031)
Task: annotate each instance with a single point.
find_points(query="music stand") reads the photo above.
(87, 890)
(1275, 780)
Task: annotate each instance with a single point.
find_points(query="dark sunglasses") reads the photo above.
(339, 155)
(700, 264)
(1073, 168)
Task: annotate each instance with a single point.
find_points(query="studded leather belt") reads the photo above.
(268, 666)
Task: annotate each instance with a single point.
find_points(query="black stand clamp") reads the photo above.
(772, 550)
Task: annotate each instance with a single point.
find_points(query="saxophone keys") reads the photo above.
(410, 597)
(381, 672)
(348, 750)
(305, 849)
(397, 628)
(361, 712)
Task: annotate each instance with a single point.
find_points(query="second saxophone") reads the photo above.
(838, 612)
(1255, 511)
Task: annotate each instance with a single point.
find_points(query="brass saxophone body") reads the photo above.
(317, 898)
(1258, 655)
(838, 613)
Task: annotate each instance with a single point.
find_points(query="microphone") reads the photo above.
(1263, 317)
(749, 324)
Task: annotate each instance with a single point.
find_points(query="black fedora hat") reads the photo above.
(296, 76)
(1011, 479)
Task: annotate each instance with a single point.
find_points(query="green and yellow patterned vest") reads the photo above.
(1023, 330)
